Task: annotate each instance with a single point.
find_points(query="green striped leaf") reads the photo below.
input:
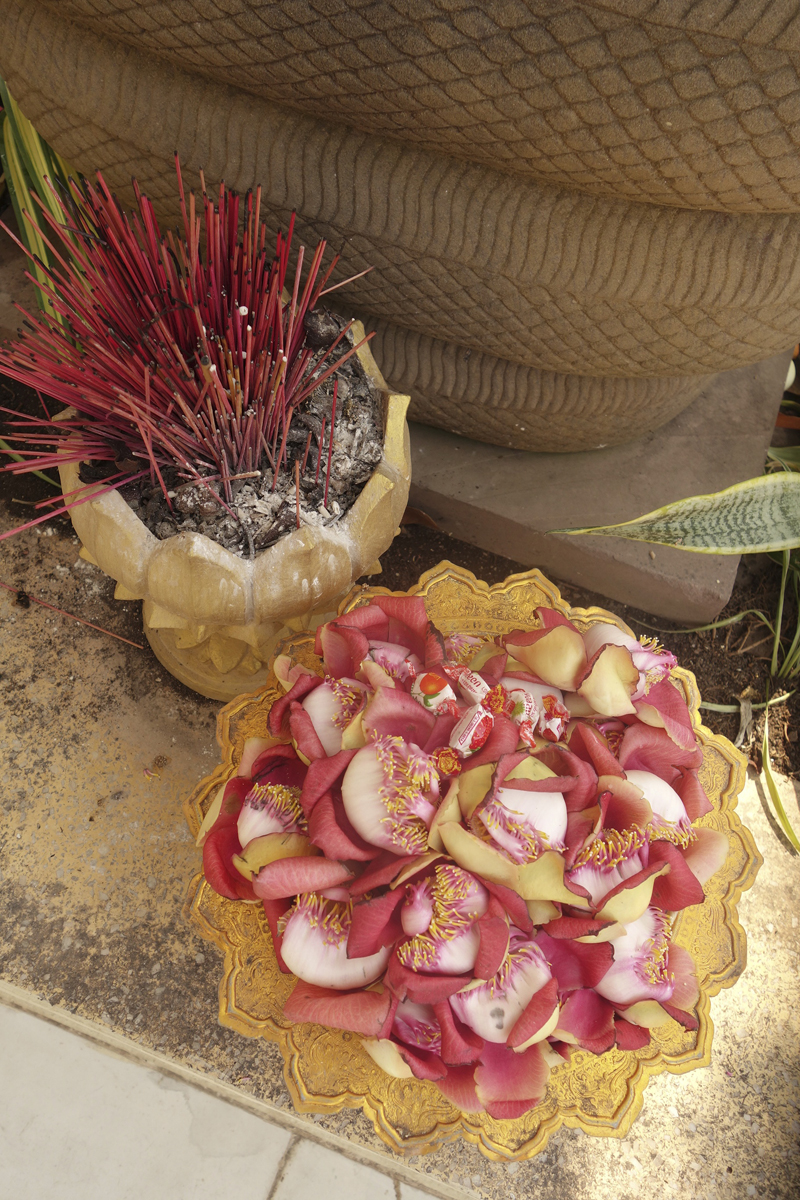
(753, 517)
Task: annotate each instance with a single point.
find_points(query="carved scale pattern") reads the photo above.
(574, 93)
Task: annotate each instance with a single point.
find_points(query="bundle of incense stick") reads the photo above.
(172, 356)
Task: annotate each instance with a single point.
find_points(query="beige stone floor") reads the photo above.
(98, 747)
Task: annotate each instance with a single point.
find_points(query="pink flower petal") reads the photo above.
(705, 856)
(565, 762)
(679, 887)
(588, 745)
(630, 1037)
(295, 876)
(274, 910)
(279, 764)
(460, 1044)
(574, 927)
(304, 734)
(360, 1012)
(646, 749)
(423, 989)
(686, 991)
(218, 850)
(512, 903)
(321, 776)
(253, 747)
(510, 1110)
(686, 1019)
(623, 804)
(494, 669)
(342, 647)
(393, 712)
(504, 1076)
(408, 621)
(693, 795)
(423, 1065)
(278, 720)
(665, 706)
(539, 1010)
(375, 924)
(458, 1086)
(330, 830)
(588, 1018)
(575, 965)
(233, 798)
(381, 870)
(494, 937)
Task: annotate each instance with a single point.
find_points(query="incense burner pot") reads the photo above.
(212, 618)
(579, 212)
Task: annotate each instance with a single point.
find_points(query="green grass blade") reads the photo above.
(753, 517)
(787, 456)
(4, 446)
(772, 788)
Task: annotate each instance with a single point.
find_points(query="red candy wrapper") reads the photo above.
(554, 720)
(472, 731)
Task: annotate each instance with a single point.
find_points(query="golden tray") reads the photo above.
(327, 1069)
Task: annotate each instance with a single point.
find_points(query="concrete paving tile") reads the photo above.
(312, 1171)
(79, 1124)
(412, 1193)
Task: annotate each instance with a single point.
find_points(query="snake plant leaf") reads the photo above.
(787, 456)
(753, 517)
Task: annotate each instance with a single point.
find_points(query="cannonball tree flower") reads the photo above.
(501, 1009)
(387, 630)
(652, 661)
(253, 821)
(332, 706)
(443, 912)
(650, 979)
(314, 945)
(390, 791)
(524, 814)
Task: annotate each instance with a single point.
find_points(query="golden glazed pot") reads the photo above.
(328, 1069)
(213, 618)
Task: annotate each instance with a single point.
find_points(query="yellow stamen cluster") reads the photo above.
(450, 889)
(532, 843)
(611, 848)
(400, 792)
(351, 701)
(654, 968)
(330, 916)
(284, 802)
(673, 833)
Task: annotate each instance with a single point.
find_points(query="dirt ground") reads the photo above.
(729, 664)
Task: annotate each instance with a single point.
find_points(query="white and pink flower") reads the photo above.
(472, 906)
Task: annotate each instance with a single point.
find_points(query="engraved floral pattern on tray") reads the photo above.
(327, 1070)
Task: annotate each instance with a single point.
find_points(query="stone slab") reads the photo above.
(506, 500)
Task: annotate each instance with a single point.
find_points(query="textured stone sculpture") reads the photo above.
(577, 211)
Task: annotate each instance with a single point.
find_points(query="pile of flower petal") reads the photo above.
(470, 852)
